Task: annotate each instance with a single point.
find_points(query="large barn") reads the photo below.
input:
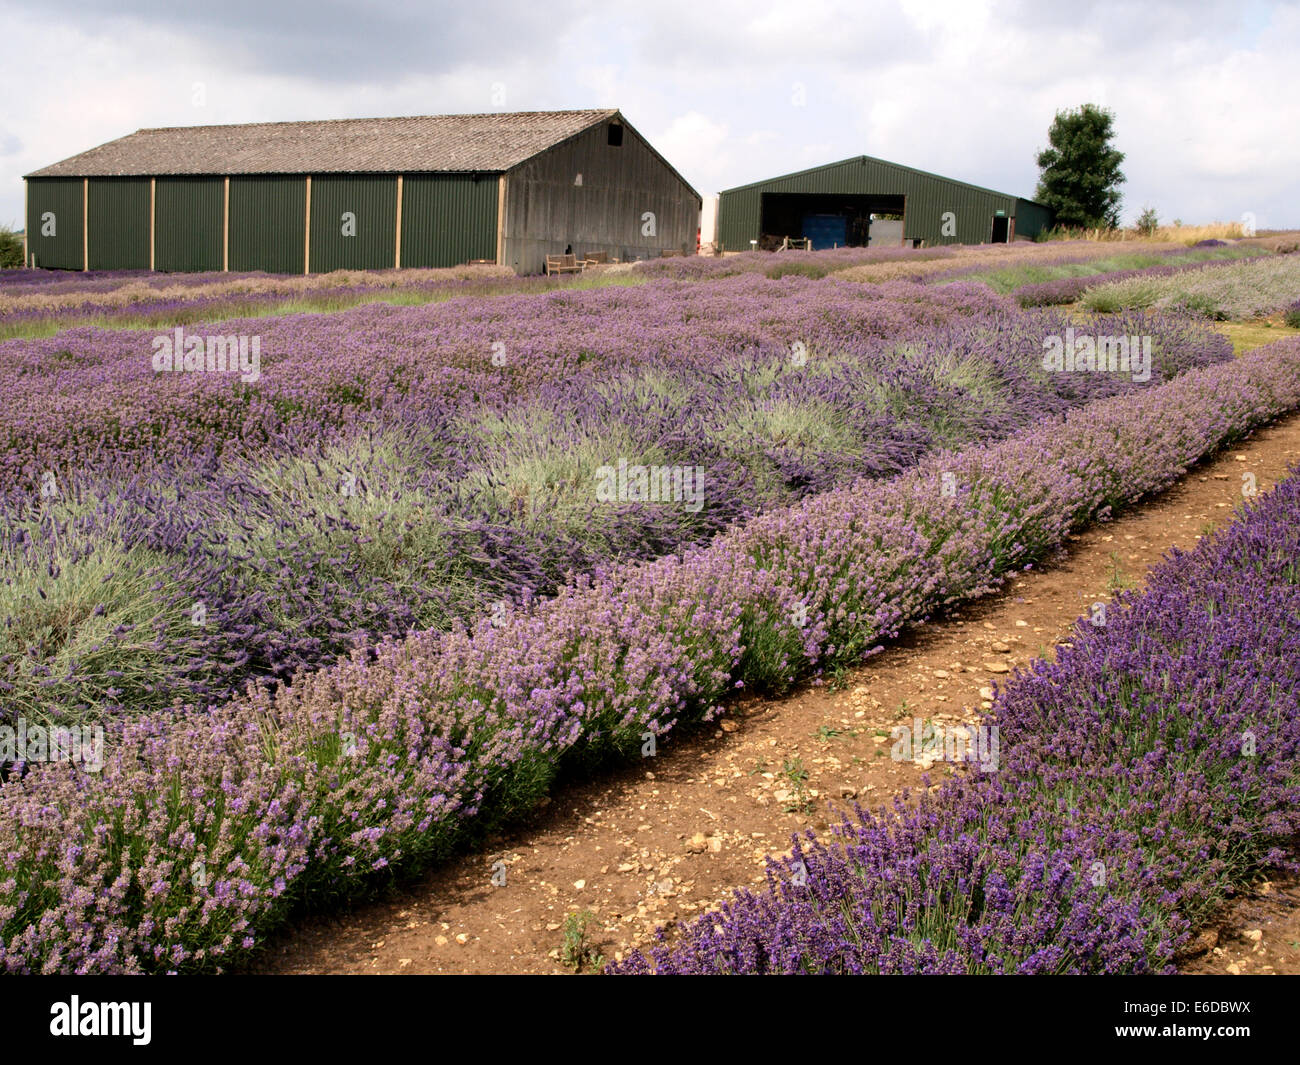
(307, 197)
(862, 200)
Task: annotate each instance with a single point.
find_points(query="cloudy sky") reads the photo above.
(1206, 93)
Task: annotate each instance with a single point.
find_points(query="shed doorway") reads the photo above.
(828, 220)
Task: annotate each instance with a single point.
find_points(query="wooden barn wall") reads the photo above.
(547, 210)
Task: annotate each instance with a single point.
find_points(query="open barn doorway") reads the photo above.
(1001, 229)
(828, 220)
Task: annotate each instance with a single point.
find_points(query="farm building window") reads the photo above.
(615, 135)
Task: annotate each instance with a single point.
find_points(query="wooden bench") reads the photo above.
(563, 264)
(595, 258)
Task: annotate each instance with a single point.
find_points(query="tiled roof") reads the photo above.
(454, 143)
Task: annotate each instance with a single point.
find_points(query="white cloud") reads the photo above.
(1206, 94)
(696, 136)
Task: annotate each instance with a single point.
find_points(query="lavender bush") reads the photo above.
(203, 830)
(85, 395)
(1145, 774)
(1243, 290)
(131, 587)
(43, 309)
(1072, 289)
(1027, 273)
(774, 265)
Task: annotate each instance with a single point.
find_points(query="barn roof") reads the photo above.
(492, 142)
(862, 159)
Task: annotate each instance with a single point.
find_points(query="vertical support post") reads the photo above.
(153, 215)
(501, 220)
(85, 224)
(225, 229)
(397, 251)
(306, 232)
(27, 222)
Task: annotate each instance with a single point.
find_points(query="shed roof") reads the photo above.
(880, 162)
(492, 143)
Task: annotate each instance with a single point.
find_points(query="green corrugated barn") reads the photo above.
(863, 200)
(310, 197)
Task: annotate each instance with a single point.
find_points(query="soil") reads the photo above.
(673, 836)
(1259, 934)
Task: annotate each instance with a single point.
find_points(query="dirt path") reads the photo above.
(673, 836)
(1259, 934)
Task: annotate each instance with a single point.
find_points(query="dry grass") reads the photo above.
(1161, 235)
(142, 290)
(1285, 242)
(991, 255)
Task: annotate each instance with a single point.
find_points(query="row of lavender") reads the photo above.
(201, 831)
(1064, 290)
(71, 398)
(891, 263)
(1143, 776)
(38, 303)
(166, 571)
(780, 264)
(45, 309)
(1235, 291)
(116, 288)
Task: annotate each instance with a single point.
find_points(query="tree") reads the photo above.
(1080, 174)
(11, 248)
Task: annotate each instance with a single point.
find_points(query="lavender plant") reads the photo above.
(203, 830)
(1243, 290)
(355, 522)
(1152, 770)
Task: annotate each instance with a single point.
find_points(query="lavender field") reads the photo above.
(350, 589)
(1244, 290)
(1146, 776)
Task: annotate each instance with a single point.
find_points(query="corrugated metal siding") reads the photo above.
(62, 198)
(372, 203)
(1031, 218)
(267, 223)
(546, 211)
(927, 199)
(118, 223)
(448, 219)
(188, 218)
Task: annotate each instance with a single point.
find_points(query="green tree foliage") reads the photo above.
(1080, 174)
(1148, 221)
(11, 248)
